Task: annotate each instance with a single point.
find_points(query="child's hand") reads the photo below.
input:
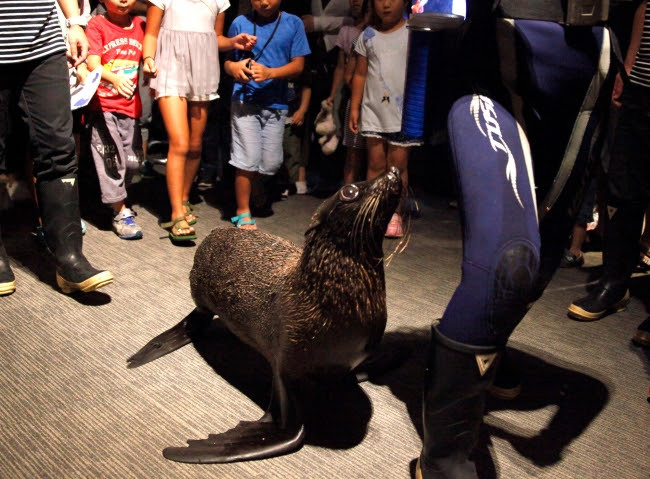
(259, 72)
(298, 118)
(354, 120)
(124, 86)
(244, 41)
(240, 70)
(149, 67)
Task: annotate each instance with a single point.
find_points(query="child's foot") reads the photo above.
(571, 260)
(301, 187)
(124, 225)
(244, 221)
(190, 217)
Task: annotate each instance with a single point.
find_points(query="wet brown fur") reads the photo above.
(317, 310)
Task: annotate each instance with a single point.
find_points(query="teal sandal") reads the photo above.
(190, 210)
(175, 230)
(243, 219)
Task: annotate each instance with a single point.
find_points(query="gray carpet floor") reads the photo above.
(69, 407)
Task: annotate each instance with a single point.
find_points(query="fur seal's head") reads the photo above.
(355, 218)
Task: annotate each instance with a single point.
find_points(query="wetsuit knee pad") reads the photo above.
(499, 220)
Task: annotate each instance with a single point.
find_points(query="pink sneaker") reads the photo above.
(394, 229)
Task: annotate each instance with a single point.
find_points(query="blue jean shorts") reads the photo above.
(257, 135)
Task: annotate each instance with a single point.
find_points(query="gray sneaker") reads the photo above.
(124, 225)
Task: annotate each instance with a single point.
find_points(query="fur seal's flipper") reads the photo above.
(247, 441)
(280, 431)
(379, 363)
(172, 339)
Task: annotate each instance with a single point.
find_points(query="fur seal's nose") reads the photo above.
(393, 173)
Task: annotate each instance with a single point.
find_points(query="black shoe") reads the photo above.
(642, 334)
(603, 300)
(569, 260)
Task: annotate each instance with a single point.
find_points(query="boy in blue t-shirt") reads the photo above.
(260, 95)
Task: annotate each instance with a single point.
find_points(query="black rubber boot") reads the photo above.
(59, 204)
(457, 378)
(620, 256)
(7, 278)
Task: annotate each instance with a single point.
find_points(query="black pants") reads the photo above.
(41, 92)
(629, 168)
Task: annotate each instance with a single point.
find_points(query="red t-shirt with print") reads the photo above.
(120, 50)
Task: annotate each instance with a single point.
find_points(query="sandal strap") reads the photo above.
(239, 218)
(170, 224)
(245, 223)
(190, 207)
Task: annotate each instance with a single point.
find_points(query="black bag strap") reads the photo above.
(275, 28)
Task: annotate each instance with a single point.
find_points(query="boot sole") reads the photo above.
(506, 394)
(91, 284)
(576, 312)
(7, 288)
(418, 470)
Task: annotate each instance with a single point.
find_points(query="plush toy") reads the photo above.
(326, 129)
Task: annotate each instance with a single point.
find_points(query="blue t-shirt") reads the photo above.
(289, 41)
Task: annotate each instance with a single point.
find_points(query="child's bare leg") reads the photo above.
(243, 186)
(377, 157)
(398, 156)
(352, 165)
(198, 117)
(174, 113)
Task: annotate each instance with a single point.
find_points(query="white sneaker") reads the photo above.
(124, 225)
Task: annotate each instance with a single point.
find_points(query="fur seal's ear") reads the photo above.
(320, 215)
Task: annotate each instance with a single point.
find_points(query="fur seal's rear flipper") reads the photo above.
(280, 431)
(172, 339)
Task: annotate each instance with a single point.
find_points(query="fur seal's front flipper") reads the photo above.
(172, 339)
(280, 431)
(380, 362)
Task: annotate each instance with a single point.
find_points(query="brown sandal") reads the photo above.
(176, 229)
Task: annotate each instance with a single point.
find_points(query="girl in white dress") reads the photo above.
(377, 95)
(181, 56)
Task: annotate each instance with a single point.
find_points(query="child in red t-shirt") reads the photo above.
(115, 40)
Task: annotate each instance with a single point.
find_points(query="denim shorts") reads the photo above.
(257, 135)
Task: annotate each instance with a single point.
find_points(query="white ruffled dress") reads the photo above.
(187, 54)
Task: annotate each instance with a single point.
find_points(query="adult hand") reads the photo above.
(77, 45)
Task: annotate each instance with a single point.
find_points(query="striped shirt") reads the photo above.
(640, 73)
(29, 29)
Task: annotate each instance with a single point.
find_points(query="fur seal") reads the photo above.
(316, 311)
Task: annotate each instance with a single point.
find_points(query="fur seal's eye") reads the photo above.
(349, 192)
